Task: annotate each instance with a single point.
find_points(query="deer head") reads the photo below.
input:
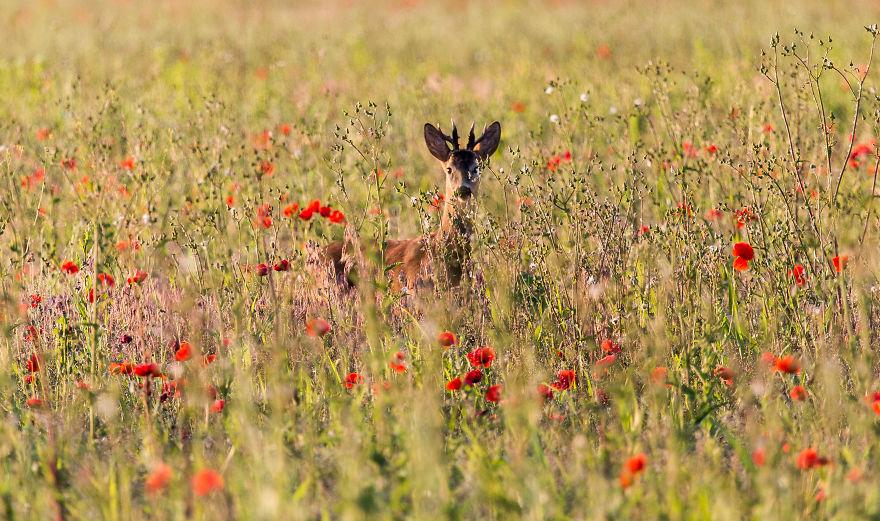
(462, 165)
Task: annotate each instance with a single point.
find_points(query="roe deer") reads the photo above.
(413, 261)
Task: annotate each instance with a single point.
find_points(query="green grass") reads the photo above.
(616, 244)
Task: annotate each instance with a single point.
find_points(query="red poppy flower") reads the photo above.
(184, 352)
(35, 301)
(446, 339)
(798, 274)
(493, 393)
(610, 347)
(758, 457)
(325, 211)
(43, 134)
(70, 268)
(147, 370)
(725, 374)
(138, 277)
(518, 106)
(787, 364)
(35, 402)
(659, 375)
(317, 327)
(230, 201)
(454, 384)
(481, 356)
(713, 214)
(217, 406)
(127, 163)
(120, 368)
(689, 149)
(564, 379)
(742, 254)
(106, 280)
(473, 377)
(606, 361)
(206, 481)
(267, 168)
(33, 363)
(83, 385)
(352, 379)
(632, 468)
(398, 363)
(711, 148)
(290, 209)
(284, 128)
(798, 393)
(306, 214)
(336, 217)
(809, 459)
(209, 359)
(545, 391)
(158, 479)
(840, 262)
(437, 201)
(69, 163)
(282, 265)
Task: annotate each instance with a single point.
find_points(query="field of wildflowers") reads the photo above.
(671, 309)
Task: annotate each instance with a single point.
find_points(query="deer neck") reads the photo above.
(455, 224)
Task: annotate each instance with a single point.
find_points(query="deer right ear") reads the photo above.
(436, 142)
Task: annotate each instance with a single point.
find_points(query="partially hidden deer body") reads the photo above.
(442, 255)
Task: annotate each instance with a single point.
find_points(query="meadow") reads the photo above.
(671, 309)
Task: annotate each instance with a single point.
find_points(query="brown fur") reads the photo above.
(449, 248)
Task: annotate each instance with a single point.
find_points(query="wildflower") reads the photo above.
(120, 368)
(798, 274)
(398, 363)
(282, 265)
(603, 51)
(42, 134)
(767, 128)
(545, 391)
(336, 217)
(564, 379)
(610, 347)
(125, 339)
(147, 370)
(35, 402)
(632, 468)
(742, 254)
(70, 268)
(713, 214)
(267, 168)
(744, 216)
(473, 377)
(127, 163)
(447, 339)
(493, 393)
(454, 384)
(606, 361)
(659, 375)
(711, 148)
(317, 327)
(35, 301)
(325, 211)
(184, 352)
(352, 379)
(158, 478)
(787, 364)
(689, 149)
(32, 365)
(840, 262)
(481, 356)
(290, 209)
(69, 163)
(759, 457)
(284, 128)
(809, 459)
(724, 374)
(518, 106)
(209, 359)
(217, 406)
(230, 201)
(262, 269)
(106, 280)
(138, 277)
(798, 393)
(206, 481)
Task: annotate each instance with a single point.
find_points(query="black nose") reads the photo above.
(463, 192)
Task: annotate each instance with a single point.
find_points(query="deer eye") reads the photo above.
(448, 169)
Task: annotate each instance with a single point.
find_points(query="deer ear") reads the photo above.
(488, 142)
(436, 142)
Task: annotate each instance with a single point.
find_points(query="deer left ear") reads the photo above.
(488, 142)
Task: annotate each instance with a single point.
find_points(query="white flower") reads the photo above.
(637, 102)
(548, 90)
(585, 97)
(612, 110)
(554, 119)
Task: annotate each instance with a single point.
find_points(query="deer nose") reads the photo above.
(463, 192)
